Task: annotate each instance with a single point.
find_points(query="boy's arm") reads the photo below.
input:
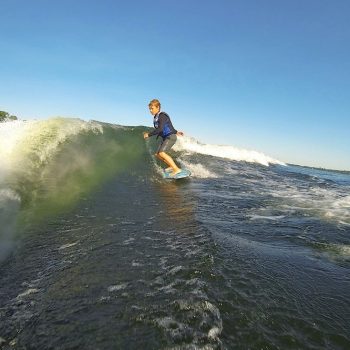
(158, 130)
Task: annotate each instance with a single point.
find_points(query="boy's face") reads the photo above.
(154, 109)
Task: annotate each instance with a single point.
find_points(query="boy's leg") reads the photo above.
(165, 146)
(169, 161)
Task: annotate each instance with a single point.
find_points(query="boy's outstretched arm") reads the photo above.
(156, 131)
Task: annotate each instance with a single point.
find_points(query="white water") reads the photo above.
(191, 145)
(20, 141)
(198, 170)
(330, 204)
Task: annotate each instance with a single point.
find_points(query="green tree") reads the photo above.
(3, 116)
(6, 116)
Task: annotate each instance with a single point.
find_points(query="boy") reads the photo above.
(164, 128)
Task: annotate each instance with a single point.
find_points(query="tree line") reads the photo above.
(4, 116)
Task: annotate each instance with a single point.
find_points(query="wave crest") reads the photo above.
(191, 145)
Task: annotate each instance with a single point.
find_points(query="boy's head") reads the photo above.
(154, 107)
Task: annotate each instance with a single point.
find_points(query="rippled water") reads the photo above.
(240, 256)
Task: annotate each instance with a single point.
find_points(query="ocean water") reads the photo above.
(97, 251)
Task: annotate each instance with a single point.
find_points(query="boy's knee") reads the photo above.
(162, 154)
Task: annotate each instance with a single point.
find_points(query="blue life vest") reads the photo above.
(167, 128)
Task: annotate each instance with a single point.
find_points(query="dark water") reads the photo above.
(240, 256)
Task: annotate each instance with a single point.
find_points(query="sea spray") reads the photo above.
(193, 146)
(51, 163)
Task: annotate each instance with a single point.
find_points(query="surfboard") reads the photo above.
(182, 174)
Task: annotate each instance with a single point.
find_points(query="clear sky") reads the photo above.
(268, 75)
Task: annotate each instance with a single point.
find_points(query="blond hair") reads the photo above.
(154, 102)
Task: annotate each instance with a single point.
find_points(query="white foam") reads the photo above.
(68, 245)
(197, 170)
(265, 217)
(344, 250)
(175, 270)
(117, 287)
(22, 141)
(214, 333)
(128, 241)
(337, 250)
(331, 204)
(27, 292)
(191, 145)
(8, 195)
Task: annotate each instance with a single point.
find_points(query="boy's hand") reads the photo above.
(180, 133)
(145, 135)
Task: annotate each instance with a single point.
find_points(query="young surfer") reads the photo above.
(163, 127)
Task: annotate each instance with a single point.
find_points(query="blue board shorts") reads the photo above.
(167, 143)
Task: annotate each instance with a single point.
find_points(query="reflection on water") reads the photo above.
(113, 256)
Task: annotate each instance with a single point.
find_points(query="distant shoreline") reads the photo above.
(347, 172)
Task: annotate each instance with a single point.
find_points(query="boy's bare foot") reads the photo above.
(175, 172)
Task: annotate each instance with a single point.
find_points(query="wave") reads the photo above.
(50, 164)
(191, 145)
(30, 143)
(52, 150)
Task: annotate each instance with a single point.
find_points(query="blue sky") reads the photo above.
(270, 75)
